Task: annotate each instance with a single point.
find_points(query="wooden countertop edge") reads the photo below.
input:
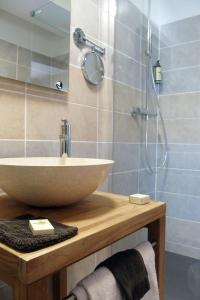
(35, 268)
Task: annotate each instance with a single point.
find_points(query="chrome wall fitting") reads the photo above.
(65, 138)
(59, 85)
(143, 112)
(81, 41)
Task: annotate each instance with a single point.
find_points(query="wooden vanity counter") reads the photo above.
(101, 218)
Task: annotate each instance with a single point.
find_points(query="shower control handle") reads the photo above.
(143, 112)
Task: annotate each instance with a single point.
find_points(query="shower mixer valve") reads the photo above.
(143, 112)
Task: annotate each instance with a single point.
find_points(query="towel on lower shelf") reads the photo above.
(79, 293)
(16, 234)
(99, 285)
(148, 255)
(130, 273)
(102, 285)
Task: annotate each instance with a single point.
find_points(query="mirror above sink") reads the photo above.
(34, 42)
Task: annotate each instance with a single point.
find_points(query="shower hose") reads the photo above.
(163, 162)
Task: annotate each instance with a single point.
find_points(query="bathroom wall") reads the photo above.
(130, 174)
(178, 184)
(31, 116)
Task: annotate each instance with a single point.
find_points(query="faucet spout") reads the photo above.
(65, 139)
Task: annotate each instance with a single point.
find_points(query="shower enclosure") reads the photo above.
(160, 154)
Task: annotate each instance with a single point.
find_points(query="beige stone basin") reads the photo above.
(51, 181)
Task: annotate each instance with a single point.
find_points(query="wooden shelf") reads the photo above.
(102, 219)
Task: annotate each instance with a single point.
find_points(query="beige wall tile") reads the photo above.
(103, 254)
(106, 94)
(12, 85)
(76, 54)
(151, 127)
(8, 51)
(45, 92)
(85, 16)
(106, 186)
(127, 129)
(186, 131)
(106, 25)
(181, 105)
(108, 60)
(84, 122)
(12, 115)
(84, 149)
(105, 150)
(130, 241)
(42, 148)
(44, 119)
(79, 270)
(12, 149)
(80, 91)
(126, 97)
(105, 126)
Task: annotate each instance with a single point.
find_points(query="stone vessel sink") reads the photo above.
(51, 181)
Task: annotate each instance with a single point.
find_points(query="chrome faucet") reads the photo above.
(65, 138)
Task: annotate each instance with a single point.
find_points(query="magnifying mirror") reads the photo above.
(93, 68)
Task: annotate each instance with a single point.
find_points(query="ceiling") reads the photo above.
(167, 11)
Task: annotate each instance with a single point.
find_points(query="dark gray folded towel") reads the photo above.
(16, 234)
(130, 273)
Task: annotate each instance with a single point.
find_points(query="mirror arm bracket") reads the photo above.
(81, 41)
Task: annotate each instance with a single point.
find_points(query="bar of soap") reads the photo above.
(41, 227)
(139, 199)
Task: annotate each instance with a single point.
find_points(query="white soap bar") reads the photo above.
(41, 227)
(139, 199)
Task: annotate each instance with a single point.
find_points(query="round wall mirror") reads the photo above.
(93, 68)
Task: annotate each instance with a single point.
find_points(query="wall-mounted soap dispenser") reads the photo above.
(157, 72)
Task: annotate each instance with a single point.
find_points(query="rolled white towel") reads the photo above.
(99, 285)
(80, 293)
(148, 254)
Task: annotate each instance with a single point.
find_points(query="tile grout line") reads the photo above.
(157, 123)
(139, 144)
(97, 112)
(178, 194)
(97, 95)
(17, 62)
(25, 122)
(180, 93)
(181, 68)
(179, 44)
(114, 80)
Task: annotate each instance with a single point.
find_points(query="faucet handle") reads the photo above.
(64, 121)
(65, 127)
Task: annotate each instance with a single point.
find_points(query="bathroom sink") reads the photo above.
(51, 181)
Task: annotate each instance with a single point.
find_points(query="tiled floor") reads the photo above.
(182, 278)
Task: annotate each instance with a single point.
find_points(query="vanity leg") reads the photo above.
(38, 290)
(156, 232)
(60, 284)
